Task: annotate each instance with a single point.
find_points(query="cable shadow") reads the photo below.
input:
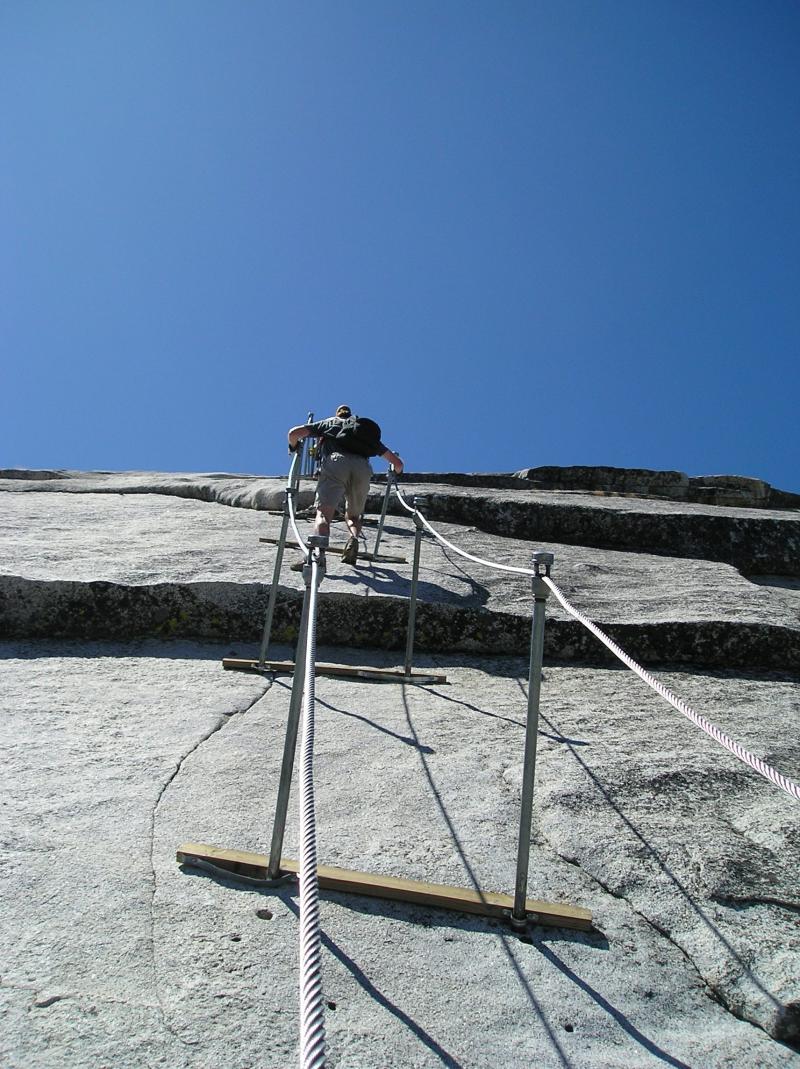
(430, 917)
(370, 988)
(664, 868)
(526, 987)
(378, 727)
(480, 594)
(287, 896)
(625, 1024)
(497, 716)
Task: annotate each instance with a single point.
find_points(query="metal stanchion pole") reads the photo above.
(293, 722)
(291, 489)
(412, 603)
(308, 465)
(384, 507)
(540, 592)
(273, 590)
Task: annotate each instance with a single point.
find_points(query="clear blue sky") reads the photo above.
(514, 233)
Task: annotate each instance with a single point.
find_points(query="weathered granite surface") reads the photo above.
(87, 565)
(766, 542)
(736, 490)
(116, 752)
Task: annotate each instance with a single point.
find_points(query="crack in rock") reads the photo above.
(786, 1029)
(222, 721)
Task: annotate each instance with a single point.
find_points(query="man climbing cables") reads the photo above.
(346, 442)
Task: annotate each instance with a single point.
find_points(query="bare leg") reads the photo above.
(353, 524)
(322, 524)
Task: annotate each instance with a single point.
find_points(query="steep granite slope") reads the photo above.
(121, 741)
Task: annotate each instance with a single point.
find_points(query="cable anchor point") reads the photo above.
(543, 559)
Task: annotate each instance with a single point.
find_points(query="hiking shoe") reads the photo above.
(350, 551)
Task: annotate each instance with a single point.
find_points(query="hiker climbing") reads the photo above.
(346, 442)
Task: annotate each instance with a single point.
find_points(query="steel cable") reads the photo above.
(767, 771)
(290, 502)
(784, 782)
(455, 549)
(312, 1024)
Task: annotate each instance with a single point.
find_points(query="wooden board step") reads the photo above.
(385, 675)
(348, 881)
(340, 549)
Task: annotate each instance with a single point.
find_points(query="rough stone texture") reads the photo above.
(737, 490)
(241, 491)
(114, 753)
(114, 956)
(670, 484)
(188, 568)
(767, 543)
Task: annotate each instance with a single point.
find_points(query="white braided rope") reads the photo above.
(292, 518)
(455, 549)
(750, 759)
(770, 773)
(312, 1023)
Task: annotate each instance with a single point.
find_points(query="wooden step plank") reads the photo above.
(340, 549)
(303, 514)
(387, 675)
(440, 896)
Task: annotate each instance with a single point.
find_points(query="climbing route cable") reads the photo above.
(764, 769)
(461, 552)
(312, 1025)
(292, 517)
(750, 759)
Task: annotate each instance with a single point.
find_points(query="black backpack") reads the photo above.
(356, 434)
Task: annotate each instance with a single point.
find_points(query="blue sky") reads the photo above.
(513, 233)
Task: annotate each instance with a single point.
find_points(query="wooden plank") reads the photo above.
(439, 896)
(387, 675)
(340, 549)
(304, 514)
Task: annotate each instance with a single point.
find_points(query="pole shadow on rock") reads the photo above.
(287, 896)
(378, 727)
(369, 987)
(504, 938)
(625, 1024)
(497, 716)
(781, 1010)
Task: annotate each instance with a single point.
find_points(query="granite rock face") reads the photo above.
(122, 736)
(734, 490)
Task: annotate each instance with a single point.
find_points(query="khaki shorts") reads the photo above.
(344, 475)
